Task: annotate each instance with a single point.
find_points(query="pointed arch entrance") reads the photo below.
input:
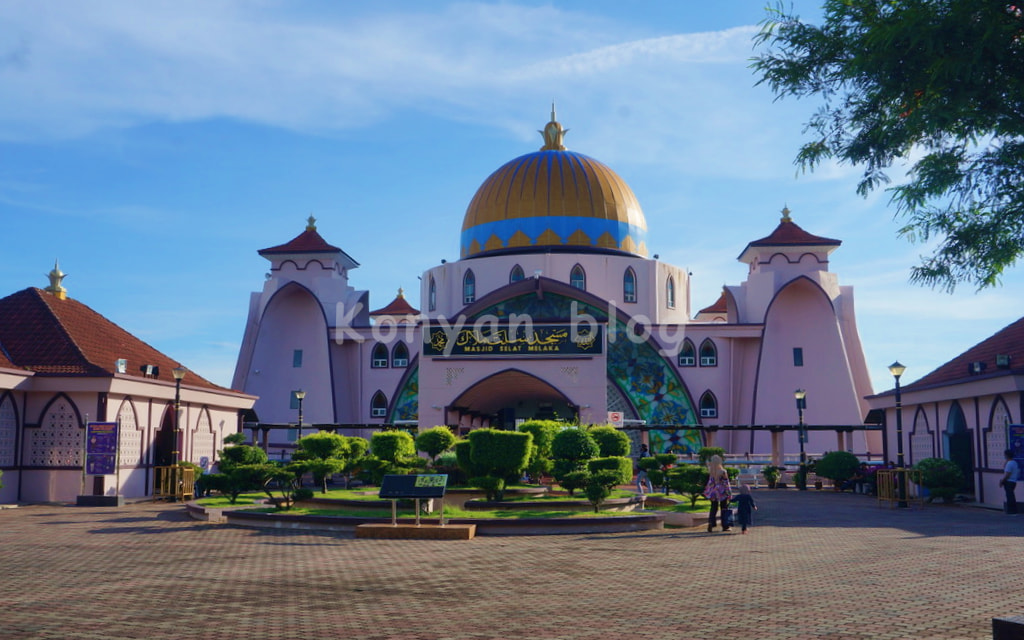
(959, 446)
(164, 440)
(507, 396)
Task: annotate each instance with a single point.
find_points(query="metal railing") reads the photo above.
(888, 482)
(173, 483)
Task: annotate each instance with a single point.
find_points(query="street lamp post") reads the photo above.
(801, 404)
(897, 369)
(178, 373)
(300, 395)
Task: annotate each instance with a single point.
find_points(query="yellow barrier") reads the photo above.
(887, 482)
(176, 483)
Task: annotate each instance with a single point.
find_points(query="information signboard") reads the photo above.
(1015, 443)
(100, 448)
(396, 487)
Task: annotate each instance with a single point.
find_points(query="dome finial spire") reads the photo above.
(56, 279)
(785, 214)
(311, 223)
(553, 134)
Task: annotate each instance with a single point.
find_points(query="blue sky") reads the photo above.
(153, 147)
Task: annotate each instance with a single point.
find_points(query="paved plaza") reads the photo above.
(816, 565)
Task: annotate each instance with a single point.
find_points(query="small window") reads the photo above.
(379, 405)
(798, 356)
(708, 405)
(670, 293)
(400, 356)
(297, 358)
(708, 354)
(432, 295)
(629, 286)
(380, 357)
(468, 287)
(516, 275)
(578, 278)
(687, 355)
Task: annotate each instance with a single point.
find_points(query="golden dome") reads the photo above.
(553, 199)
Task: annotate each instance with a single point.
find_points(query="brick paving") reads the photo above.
(815, 565)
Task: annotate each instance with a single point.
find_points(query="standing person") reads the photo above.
(745, 507)
(718, 491)
(1011, 474)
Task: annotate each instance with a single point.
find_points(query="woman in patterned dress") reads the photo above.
(718, 491)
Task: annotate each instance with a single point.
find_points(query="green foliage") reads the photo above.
(599, 486)
(302, 493)
(1, 476)
(620, 466)
(665, 462)
(610, 441)
(392, 446)
(543, 434)
(241, 454)
(943, 478)
(574, 444)
(501, 454)
(705, 454)
(324, 445)
(574, 480)
(689, 480)
(837, 465)
(463, 451)
(234, 438)
(493, 486)
(936, 85)
(771, 473)
(435, 441)
(658, 477)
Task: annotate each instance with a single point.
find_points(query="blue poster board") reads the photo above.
(100, 448)
(1015, 443)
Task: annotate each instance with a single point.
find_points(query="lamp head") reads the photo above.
(300, 394)
(799, 394)
(179, 372)
(897, 369)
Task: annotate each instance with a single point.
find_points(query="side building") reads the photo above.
(555, 310)
(63, 365)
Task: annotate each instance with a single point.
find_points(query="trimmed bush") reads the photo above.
(620, 466)
(943, 478)
(392, 446)
(435, 441)
(610, 441)
(837, 466)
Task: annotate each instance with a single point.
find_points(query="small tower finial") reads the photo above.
(56, 278)
(785, 214)
(553, 134)
(310, 223)
(401, 292)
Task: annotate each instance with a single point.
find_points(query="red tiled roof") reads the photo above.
(397, 307)
(790, 233)
(1009, 341)
(309, 241)
(42, 333)
(718, 306)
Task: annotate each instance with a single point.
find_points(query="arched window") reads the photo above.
(629, 285)
(379, 405)
(468, 287)
(670, 293)
(432, 295)
(516, 274)
(400, 355)
(708, 354)
(379, 360)
(687, 355)
(578, 278)
(708, 405)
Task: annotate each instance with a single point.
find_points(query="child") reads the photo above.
(745, 507)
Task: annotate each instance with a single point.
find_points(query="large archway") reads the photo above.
(504, 398)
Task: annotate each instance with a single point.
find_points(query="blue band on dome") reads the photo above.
(562, 226)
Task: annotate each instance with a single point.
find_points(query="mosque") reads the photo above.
(556, 310)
